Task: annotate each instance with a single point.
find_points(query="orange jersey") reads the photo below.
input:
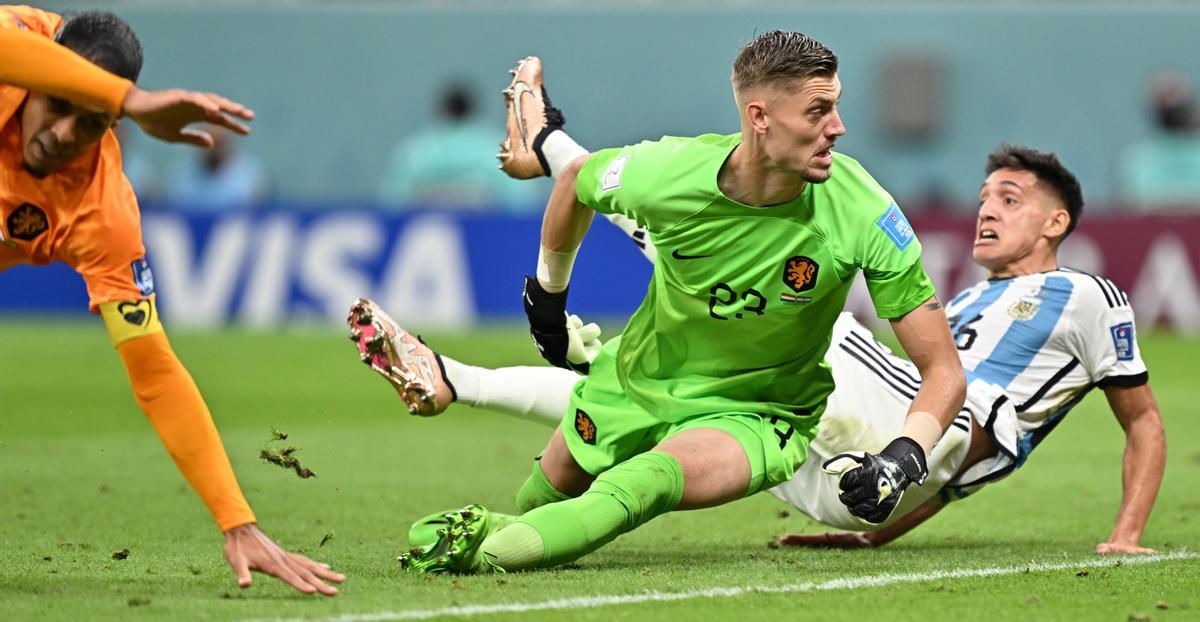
(29, 58)
(84, 215)
(28, 18)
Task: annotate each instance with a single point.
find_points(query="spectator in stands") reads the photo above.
(450, 165)
(1163, 171)
(138, 168)
(219, 179)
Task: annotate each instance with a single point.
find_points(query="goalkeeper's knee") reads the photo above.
(647, 485)
(537, 490)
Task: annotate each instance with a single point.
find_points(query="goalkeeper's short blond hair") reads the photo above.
(781, 58)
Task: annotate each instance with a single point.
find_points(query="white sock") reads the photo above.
(539, 394)
(559, 149)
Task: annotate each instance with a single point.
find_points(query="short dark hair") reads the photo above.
(104, 39)
(1047, 168)
(780, 56)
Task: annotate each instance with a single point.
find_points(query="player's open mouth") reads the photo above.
(41, 154)
(826, 156)
(985, 236)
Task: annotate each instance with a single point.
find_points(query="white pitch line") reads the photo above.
(589, 602)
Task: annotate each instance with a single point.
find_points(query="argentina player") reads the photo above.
(1033, 340)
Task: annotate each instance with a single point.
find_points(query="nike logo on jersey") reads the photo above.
(678, 255)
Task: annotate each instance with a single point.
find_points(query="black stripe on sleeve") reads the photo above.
(639, 237)
(1045, 388)
(1132, 380)
(1107, 296)
(1116, 292)
(901, 389)
(876, 351)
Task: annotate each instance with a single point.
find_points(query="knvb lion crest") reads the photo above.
(585, 427)
(800, 273)
(26, 222)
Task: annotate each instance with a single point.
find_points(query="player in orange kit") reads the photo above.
(64, 198)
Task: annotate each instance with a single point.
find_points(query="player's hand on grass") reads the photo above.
(1122, 548)
(829, 540)
(872, 484)
(248, 548)
(166, 114)
(547, 315)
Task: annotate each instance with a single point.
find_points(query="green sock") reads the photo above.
(621, 499)
(537, 490)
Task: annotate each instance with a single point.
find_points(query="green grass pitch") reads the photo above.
(82, 476)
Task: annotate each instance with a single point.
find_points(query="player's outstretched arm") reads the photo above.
(1145, 459)
(31, 61)
(166, 114)
(545, 297)
(872, 484)
(866, 539)
(34, 62)
(170, 400)
(924, 333)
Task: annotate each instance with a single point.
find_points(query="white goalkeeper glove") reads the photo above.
(583, 342)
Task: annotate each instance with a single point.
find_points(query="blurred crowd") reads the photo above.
(449, 164)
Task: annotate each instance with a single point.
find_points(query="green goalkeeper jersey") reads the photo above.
(743, 299)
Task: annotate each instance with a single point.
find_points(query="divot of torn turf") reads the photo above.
(285, 457)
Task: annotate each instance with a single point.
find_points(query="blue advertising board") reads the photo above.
(284, 266)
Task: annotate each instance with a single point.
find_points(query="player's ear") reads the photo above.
(1056, 224)
(756, 115)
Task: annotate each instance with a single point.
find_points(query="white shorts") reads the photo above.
(866, 412)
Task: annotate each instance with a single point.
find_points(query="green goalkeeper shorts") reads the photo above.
(603, 427)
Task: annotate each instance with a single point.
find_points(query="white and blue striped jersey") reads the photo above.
(1040, 342)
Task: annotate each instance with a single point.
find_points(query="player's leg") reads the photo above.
(866, 410)
(538, 394)
(429, 382)
(606, 437)
(417, 373)
(698, 463)
(537, 145)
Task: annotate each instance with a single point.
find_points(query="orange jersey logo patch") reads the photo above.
(27, 222)
(800, 273)
(585, 427)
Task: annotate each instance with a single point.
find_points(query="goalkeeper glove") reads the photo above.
(548, 325)
(583, 341)
(872, 484)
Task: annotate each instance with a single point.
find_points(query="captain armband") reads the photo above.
(129, 319)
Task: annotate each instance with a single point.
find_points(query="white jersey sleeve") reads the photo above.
(1104, 336)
